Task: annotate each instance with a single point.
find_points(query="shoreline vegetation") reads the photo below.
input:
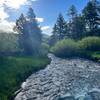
(21, 54)
(14, 70)
(88, 47)
(79, 34)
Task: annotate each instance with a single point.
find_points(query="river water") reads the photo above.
(63, 79)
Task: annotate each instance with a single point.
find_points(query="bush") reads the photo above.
(65, 48)
(96, 56)
(44, 49)
(9, 42)
(45, 46)
(90, 44)
(82, 48)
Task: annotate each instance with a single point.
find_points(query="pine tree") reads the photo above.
(34, 30)
(76, 24)
(31, 15)
(72, 12)
(29, 33)
(91, 15)
(61, 27)
(54, 37)
(59, 30)
(20, 27)
(79, 27)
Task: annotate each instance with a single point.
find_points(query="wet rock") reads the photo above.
(67, 97)
(80, 98)
(87, 97)
(95, 94)
(61, 76)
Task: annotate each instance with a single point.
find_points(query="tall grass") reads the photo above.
(14, 70)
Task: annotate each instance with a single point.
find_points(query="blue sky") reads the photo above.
(46, 11)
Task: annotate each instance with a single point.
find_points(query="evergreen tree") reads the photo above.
(59, 30)
(31, 15)
(66, 30)
(29, 33)
(54, 37)
(34, 30)
(61, 27)
(20, 27)
(72, 12)
(91, 15)
(77, 28)
(76, 24)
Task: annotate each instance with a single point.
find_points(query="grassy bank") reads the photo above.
(14, 70)
(88, 47)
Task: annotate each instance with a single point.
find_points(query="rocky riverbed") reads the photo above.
(63, 79)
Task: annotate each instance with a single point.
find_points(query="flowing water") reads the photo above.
(63, 79)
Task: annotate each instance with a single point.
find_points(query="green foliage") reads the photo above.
(76, 28)
(59, 30)
(54, 37)
(91, 15)
(14, 70)
(90, 44)
(71, 48)
(65, 48)
(30, 36)
(45, 38)
(79, 25)
(8, 42)
(44, 49)
(45, 46)
(72, 12)
(60, 27)
(96, 56)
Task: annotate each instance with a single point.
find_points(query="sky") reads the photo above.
(46, 11)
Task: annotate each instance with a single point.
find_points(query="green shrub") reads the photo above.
(90, 44)
(9, 42)
(96, 56)
(44, 49)
(45, 46)
(65, 48)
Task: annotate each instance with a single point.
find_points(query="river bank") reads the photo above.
(14, 70)
(63, 78)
